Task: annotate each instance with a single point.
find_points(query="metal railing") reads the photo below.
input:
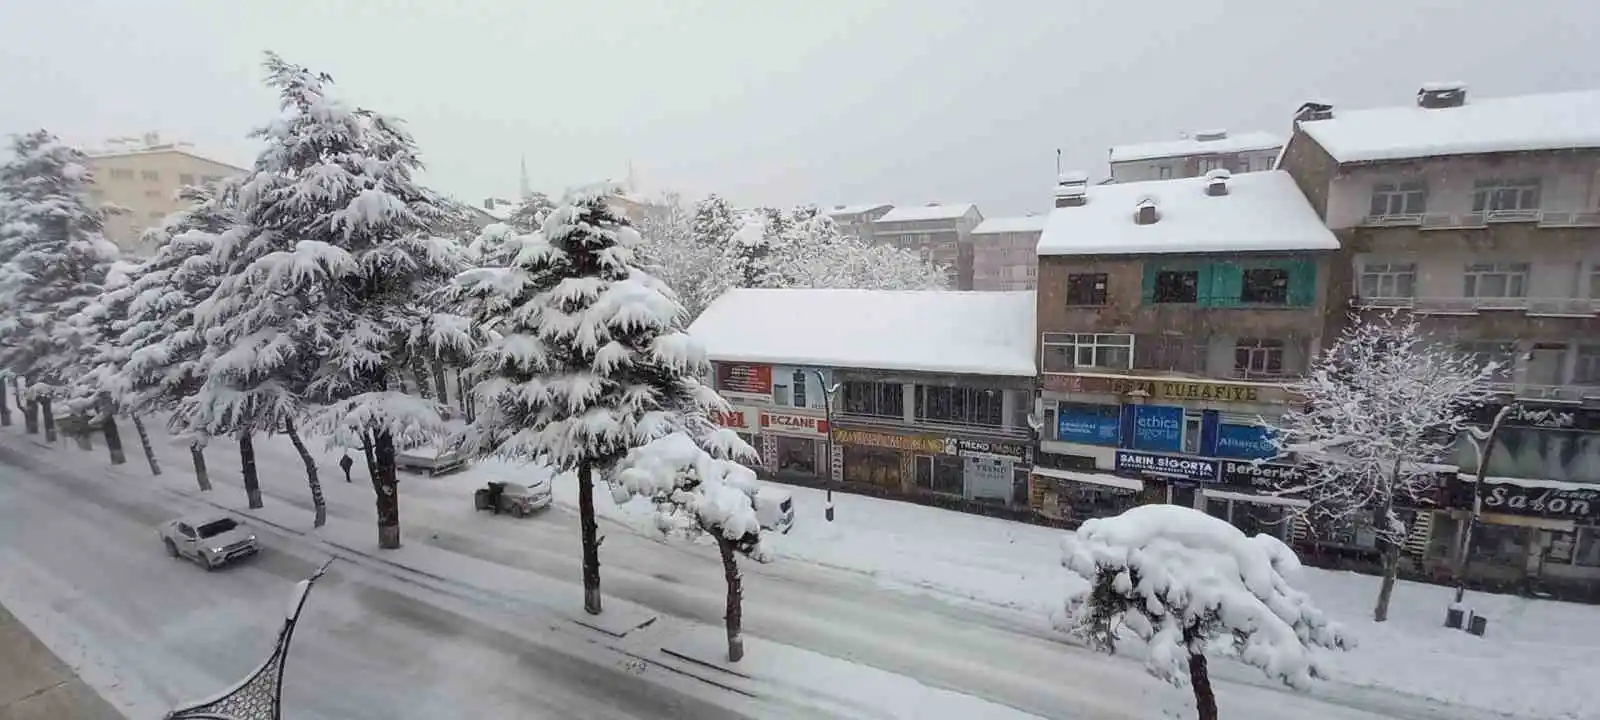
(1452, 221)
(1549, 307)
(1564, 393)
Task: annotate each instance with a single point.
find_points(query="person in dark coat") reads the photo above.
(344, 464)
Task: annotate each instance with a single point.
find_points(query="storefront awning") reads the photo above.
(1091, 478)
(1254, 498)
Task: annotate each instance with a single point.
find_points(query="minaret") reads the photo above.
(522, 185)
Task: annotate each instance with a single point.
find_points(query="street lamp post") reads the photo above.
(827, 415)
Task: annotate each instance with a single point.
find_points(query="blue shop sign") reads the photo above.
(1090, 425)
(1245, 441)
(1172, 466)
(1158, 428)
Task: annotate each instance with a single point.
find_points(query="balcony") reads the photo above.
(1535, 307)
(1479, 220)
(1555, 393)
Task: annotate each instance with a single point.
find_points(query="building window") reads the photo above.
(1254, 357)
(1085, 288)
(1388, 280)
(1065, 352)
(1398, 198)
(799, 378)
(1192, 424)
(879, 399)
(1503, 195)
(1163, 172)
(962, 406)
(941, 474)
(1267, 286)
(1210, 163)
(1177, 286)
(211, 179)
(156, 216)
(1594, 282)
(121, 174)
(186, 179)
(780, 395)
(153, 194)
(149, 176)
(1587, 369)
(1497, 280)
(1500, 352)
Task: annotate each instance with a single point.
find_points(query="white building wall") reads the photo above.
(1566, 184)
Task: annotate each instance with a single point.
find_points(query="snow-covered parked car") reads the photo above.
(211, 540)
(431, 460)
(775, 509)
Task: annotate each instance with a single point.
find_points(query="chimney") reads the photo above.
(151, 138)
(1436, 95)
(1217, 182)
(488, 203)
(1210, 135)
(1072, 189)
(1312, 111)
(1145, 212)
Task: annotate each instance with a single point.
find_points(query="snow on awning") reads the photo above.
(1541, 483)
(1091, 478)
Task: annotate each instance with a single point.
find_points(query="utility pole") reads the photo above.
(828, 392)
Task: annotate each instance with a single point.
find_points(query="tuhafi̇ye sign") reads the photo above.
(1226, 392)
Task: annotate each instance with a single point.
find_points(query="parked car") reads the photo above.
(211, 540)
(512, 498)
(775, 509)
(431, 460)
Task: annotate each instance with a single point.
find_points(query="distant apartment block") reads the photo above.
(143, 176)
(940, 233)
(856, 220)
(1005, 253)
(1194, 156)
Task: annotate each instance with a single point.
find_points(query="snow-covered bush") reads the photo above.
(1180, 579)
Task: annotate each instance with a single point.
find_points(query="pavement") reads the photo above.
(37, 685)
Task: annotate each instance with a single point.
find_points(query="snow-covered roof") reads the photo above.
(1026, 223)
(1242, 142)
(843, 210)
(1262, 212)
(1554, 121)
(913, 213)
(985, 333)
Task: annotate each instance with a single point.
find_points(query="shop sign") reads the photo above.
(1158, 427)
(792, 424)
(741, 379)
(735, 419)
(967, 446)
(1188, 468)
(1541, 502)
(1245, 441)
(1261, 475)
(1168, 389)
(913, 443)
(1081, 424)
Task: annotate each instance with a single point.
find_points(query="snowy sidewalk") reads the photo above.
(37, 685)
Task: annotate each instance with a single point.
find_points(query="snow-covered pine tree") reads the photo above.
(1179, 579)
(1380, 407)
(163, 345)
(714, 222)
(55, 263)
(530, 213)
(91, 355)
(749, 257)
(696, 493)
(589, 357)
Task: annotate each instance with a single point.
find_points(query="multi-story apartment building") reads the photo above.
(941, 233)
(931, 391)
(1194, 156)
(1003, 253)
(1171, 314)
(1482, 219)
(143, 176)
(856, 220)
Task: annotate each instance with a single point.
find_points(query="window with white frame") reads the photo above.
(1398, 198)
(1503, 353)
(1258, 357)
(1586, 371)
(1594, 281)
(1163, 172)
(1065, 352)
(1388, 280)
(1496, 280)
(1498, 195)
(1210, 163)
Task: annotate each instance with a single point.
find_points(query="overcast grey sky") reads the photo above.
(823, 101)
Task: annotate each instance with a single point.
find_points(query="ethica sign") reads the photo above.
(1188, 468)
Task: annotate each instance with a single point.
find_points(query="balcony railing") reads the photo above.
(1546, 307)
(932, 426)
(1563, 393)
(1454, 221)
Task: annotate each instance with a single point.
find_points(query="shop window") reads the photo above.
(1192, 424)
(1177, 286)
(1502, 544)
(1588, 550)
(797, 455)
(872, 466)
(878, 399)
(962, 406)
(943, 474)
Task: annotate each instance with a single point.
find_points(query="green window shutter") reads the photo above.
(1227, 283)
(1303, 283)
(1147, 293)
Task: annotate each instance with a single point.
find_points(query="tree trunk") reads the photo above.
(247, 462)
(440, 384)
(1391, 568)
(113, 439)
(419, 374)
(30, 417)
(47, 414)
(735, 615)
(1205, 701)
(144, 441)
(198, 455)
(5, 406)
(387, 492)
(591, 539)
(317, 502)
(372, 462)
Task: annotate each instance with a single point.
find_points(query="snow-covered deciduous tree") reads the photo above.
(696, 493)
(1179, 579)
(588, 357)
(55, 264)
(672, 251)
(1380, 408)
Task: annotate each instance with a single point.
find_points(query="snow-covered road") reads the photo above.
(381, 640)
